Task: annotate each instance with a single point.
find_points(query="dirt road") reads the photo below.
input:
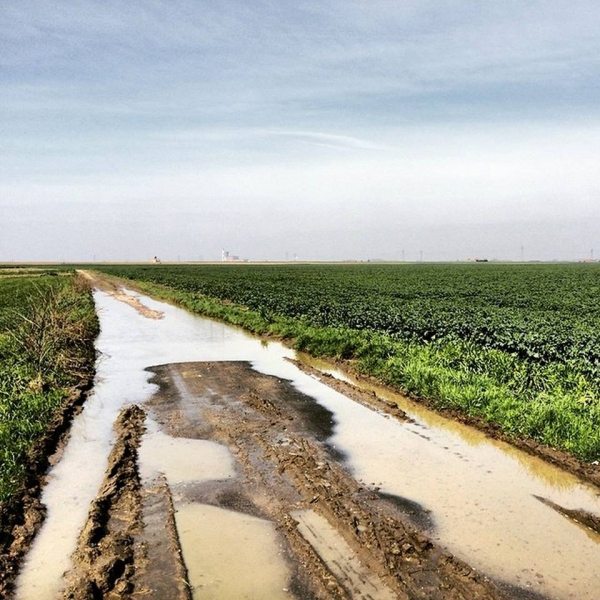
(208, 465)
(268, 488)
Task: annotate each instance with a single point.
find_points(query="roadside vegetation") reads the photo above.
(516, 345)
(47, 330)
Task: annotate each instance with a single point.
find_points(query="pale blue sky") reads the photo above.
(329, 129)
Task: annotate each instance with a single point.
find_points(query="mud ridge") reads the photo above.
(119, 294)
(384, 542)
(579, 516)
(369, 399)
(23, 515)
(161, 570)
(103, 563)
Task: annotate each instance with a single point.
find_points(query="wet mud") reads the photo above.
(285, 469)
(482, 506)
(346, 387)
(161, 571)
(117, 292)
(416, 514)
(582, 517)
(103, 564)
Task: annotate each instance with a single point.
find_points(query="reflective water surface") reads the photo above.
(231, 555)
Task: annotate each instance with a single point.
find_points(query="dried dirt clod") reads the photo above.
(103, 563)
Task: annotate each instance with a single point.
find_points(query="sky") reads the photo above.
(326, 130)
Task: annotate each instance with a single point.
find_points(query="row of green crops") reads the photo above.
(47, 329)
(518, 345)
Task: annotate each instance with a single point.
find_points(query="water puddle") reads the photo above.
(231, 555)
(227, 554)
(182, 460)
(340, 558)
(479, 493)
(326, 367)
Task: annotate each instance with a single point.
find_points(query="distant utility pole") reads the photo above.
(522, 253)
(420, 255)
(592, 254)
(402, 254)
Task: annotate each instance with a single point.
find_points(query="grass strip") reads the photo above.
(47, 330)
(549, 403)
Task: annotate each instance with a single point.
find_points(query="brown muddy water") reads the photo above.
(223, 550)
(479, 495)
(231, 555)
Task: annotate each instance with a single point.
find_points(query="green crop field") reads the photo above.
(47, 328)
(518, 345)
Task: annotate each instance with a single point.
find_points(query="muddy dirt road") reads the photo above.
(208, 464)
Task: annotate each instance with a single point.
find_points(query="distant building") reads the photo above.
(226, 256)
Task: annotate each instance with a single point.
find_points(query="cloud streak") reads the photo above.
(328, 140)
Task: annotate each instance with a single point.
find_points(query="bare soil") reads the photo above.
(286, 465)
(129, 547)
(115, 290)
(587, 471)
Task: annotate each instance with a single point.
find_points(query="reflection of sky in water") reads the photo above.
(429, 419)
(480, 495)
(182, 460)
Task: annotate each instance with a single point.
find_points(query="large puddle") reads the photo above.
(480, 492)
(231, 555)
(223, 550)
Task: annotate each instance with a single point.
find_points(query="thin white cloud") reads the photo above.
(329, 140)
